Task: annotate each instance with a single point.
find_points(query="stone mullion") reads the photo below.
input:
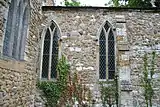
(106, 35)
(50, 53)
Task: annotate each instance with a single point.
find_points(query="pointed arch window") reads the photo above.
(16, 29)
(50, 51)
(106, 53)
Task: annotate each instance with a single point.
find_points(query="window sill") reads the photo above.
(104, 80)
(11, 64)
(51, 80)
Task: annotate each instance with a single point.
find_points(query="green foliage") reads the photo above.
(72, 3)
(147, 79)
(139, 3)
(50, 91)
(109, 92)
(116, 3)
(132, 3)
(53, 90)
(66, 90)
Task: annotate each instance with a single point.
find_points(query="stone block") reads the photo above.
(119, 38)
(124, 73)
(123, 47)
(120, 19)
(121, 32)
(77, 49)
(79, 68)
(124, 63)
(125, 57)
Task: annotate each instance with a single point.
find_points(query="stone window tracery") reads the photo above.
(106, 53)
(16, 29)
(50, 51)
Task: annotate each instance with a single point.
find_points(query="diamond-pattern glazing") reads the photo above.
(111, 55)
(102, 56)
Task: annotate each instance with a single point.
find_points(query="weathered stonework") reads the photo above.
(18, 78)
(137, 32)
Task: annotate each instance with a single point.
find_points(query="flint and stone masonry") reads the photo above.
(137, 32)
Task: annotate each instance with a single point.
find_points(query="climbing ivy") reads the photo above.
(67, 90)
(53, 90)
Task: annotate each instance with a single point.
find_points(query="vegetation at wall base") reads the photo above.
(147, 79)
(109, 92)
(67, 90)
(53, 90)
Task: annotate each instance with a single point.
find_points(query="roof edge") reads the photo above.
(46, 8)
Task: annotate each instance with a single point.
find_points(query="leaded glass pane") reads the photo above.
(45, 66)
(102, 56)
(111, 36)
(46, 55)
(52, 26)
(111, 48)
(111, 74)
(111, 55)
(54, 54)
(46, 46)
(54, 66)
(106, 26)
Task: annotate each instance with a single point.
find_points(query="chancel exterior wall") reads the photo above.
(136, 32)
(18, 77)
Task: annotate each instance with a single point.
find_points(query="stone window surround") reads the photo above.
(12, 65)
(23, 29)
(42, 45)
(115, 45)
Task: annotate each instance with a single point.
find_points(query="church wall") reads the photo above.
(136, 32)
(18, 78)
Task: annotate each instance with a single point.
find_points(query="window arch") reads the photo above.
(50, 51)
(17, 15)
(106, 52)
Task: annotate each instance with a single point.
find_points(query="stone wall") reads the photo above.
(136, 32)
(18, 78)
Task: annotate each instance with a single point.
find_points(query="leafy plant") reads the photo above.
(147, 79)
(109, 92)
(132, 3)
(66, 90)
(72, 3)
(53, 90)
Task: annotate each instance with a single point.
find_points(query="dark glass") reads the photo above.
(111, 56)
(46, 51)
(102, 56)
(54, 55)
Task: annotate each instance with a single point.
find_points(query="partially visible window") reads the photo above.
(50, 51)
(16, 29)
(106, 53)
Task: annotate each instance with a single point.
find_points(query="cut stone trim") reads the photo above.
(16, 30)
(54, 33)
